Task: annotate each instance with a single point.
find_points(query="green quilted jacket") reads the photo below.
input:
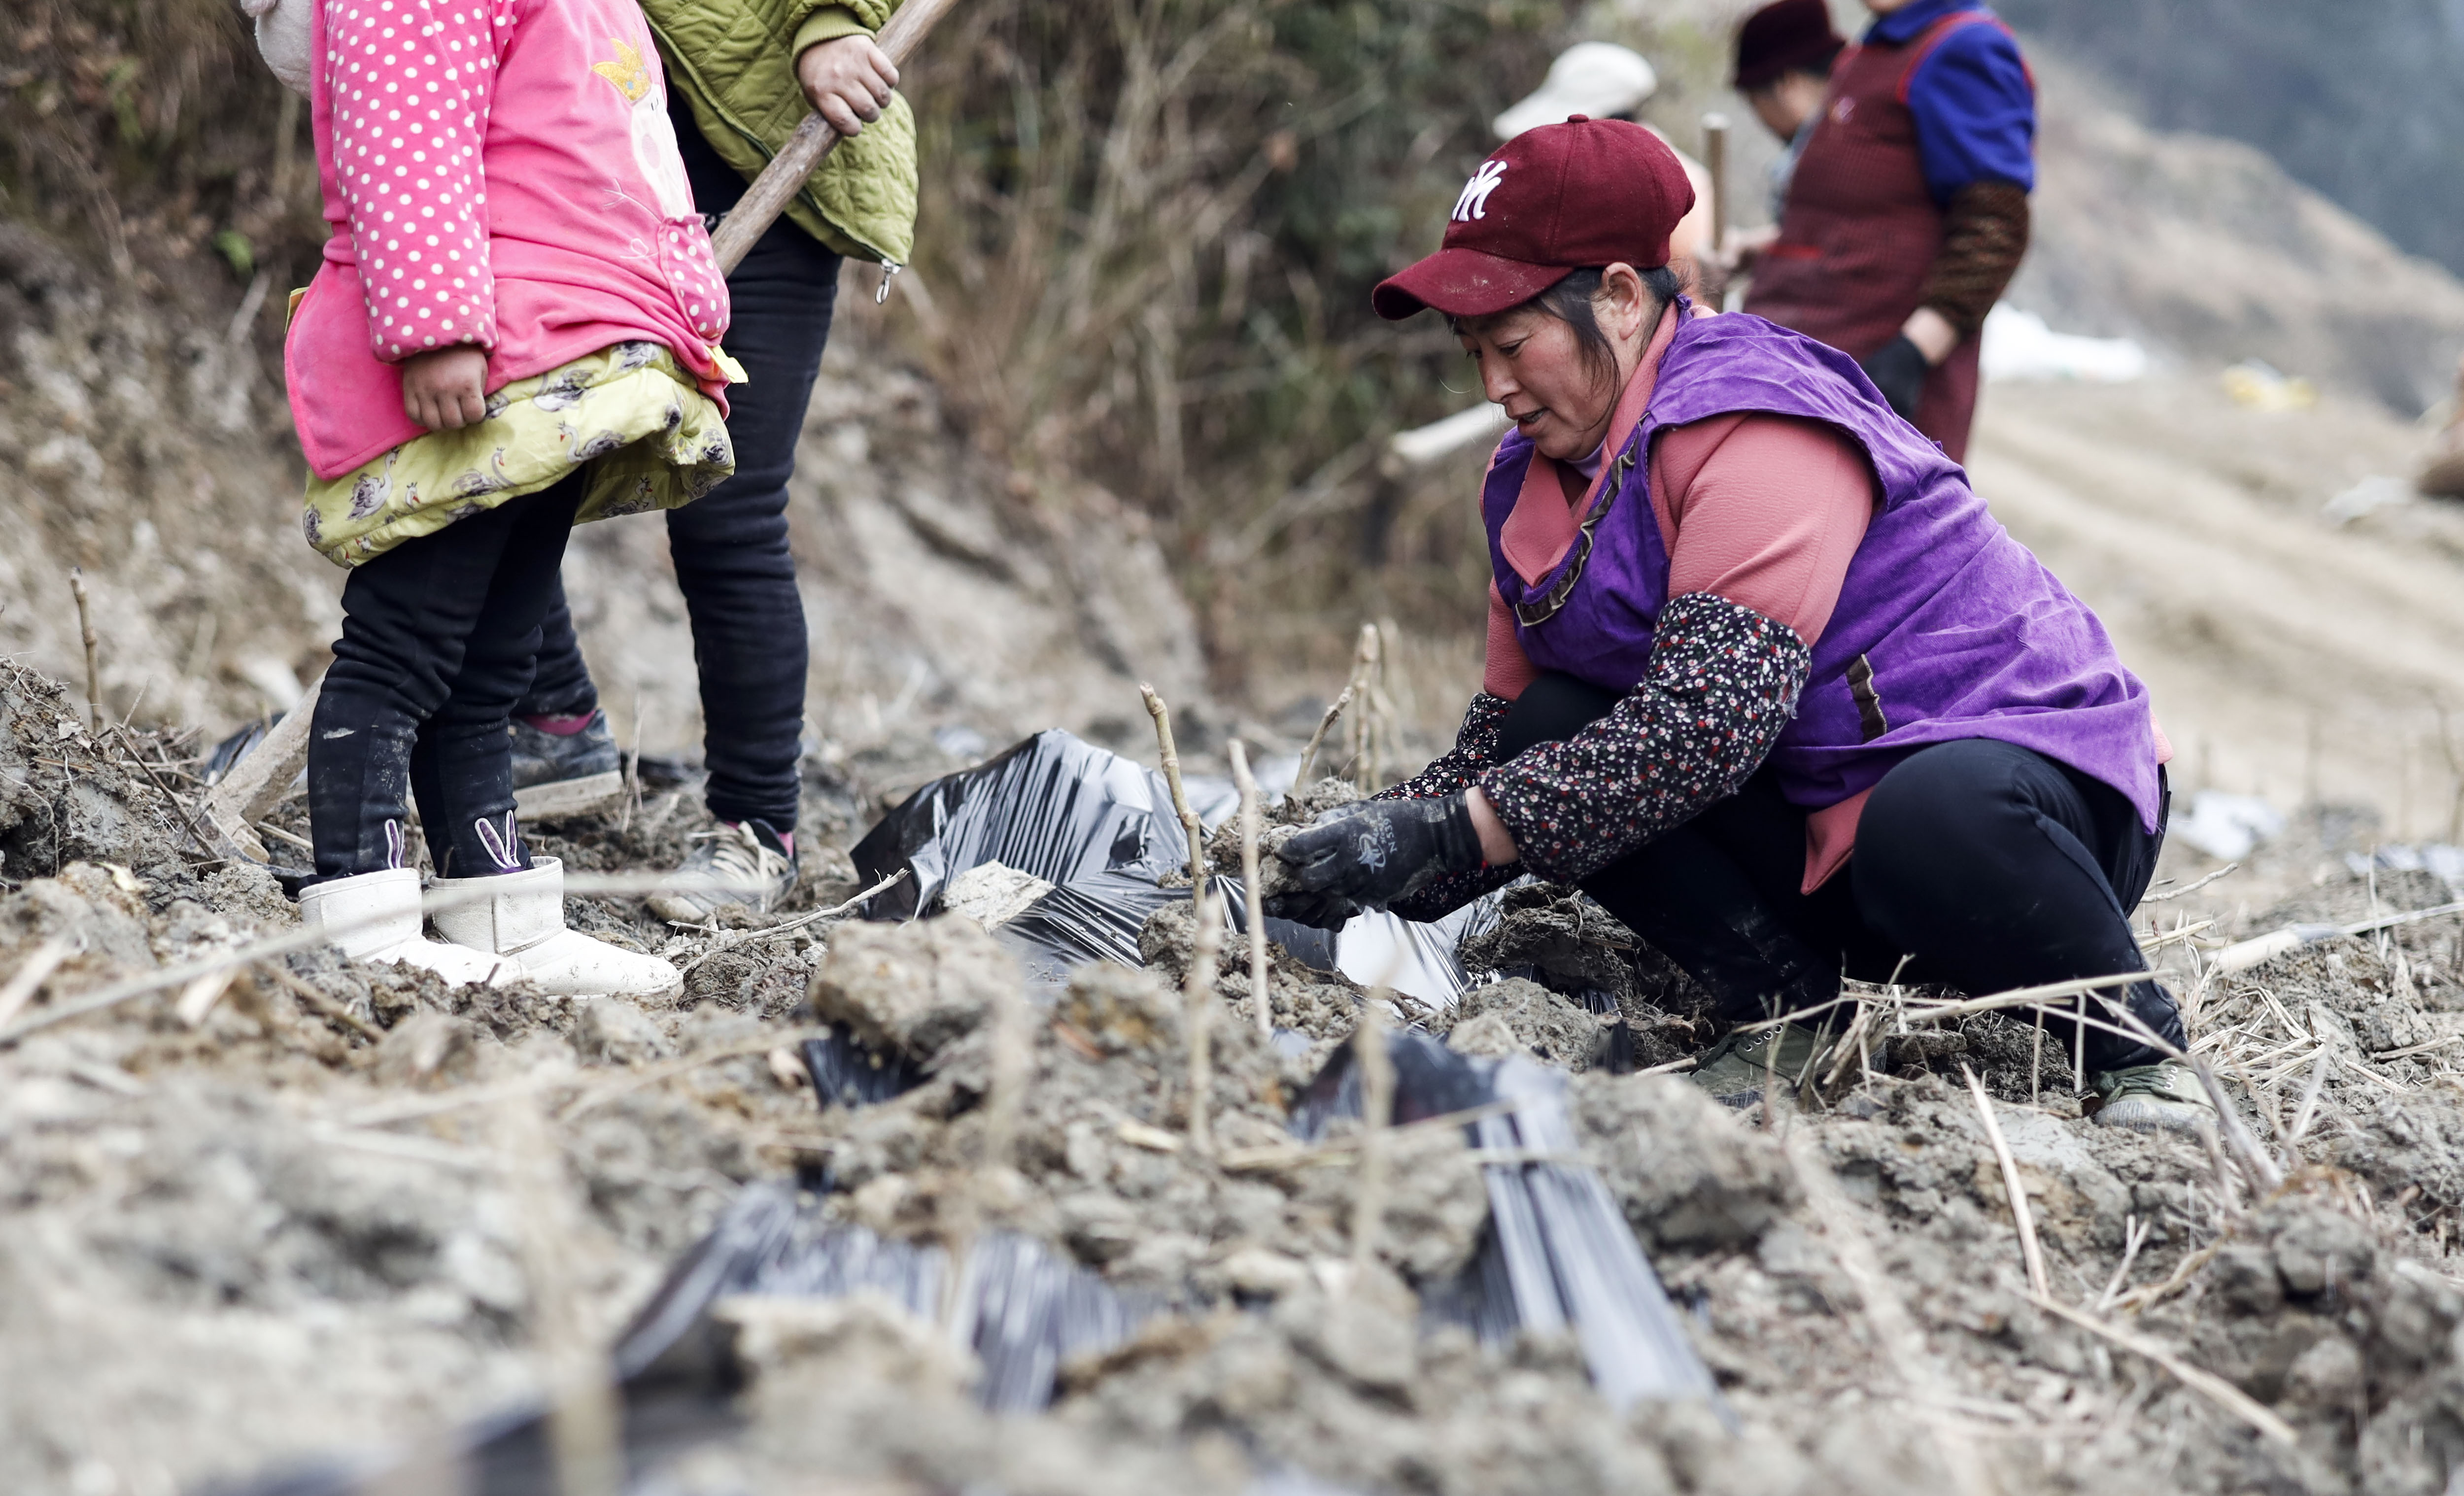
(734, 61)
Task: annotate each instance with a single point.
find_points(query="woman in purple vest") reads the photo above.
(1765, 676)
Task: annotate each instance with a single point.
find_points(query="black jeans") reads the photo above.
(731, 545)
(438, 636)
(1988, 866)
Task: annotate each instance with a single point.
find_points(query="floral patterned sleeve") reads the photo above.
(1457, 768)
(1722, 684)
(1451, 773)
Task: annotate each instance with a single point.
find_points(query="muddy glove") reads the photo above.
(1899, 371)
(1371, 853)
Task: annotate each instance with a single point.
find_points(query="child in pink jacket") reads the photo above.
(515, 327)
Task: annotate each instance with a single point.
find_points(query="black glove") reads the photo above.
(1899, 371)
(1369, 854)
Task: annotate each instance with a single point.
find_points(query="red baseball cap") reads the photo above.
(1549, 203)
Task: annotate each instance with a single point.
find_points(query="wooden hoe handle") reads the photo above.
(787, 172)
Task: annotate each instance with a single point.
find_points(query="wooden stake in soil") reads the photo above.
(1198, 1014)
(93, 660)
(1250, 880)
(1376, 1114)
(1163, 715)
(2030, 1251)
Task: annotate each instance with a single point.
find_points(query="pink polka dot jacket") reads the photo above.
(500, 173)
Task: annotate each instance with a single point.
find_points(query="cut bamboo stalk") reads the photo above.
(2031, 1251)
(93, 659)
(1163, 715)
(1252, 881)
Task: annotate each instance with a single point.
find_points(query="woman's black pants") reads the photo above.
(438, 637)
(730, 545)
(1985, 865)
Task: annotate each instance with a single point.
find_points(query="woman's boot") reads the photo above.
(374, 917)
(523, 921)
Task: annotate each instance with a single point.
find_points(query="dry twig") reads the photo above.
(322, 1003)
(2134, 1236)
(27, 979)
(2207, 1384)
(1163, 715)
(1318, 740)
(2188, 889)
(2031, 1251)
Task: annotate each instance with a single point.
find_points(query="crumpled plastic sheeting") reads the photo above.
(1021, 1308)
(845, 1073)
(1102, 829)
(1559, 1254)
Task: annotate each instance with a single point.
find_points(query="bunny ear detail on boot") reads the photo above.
(504, 849)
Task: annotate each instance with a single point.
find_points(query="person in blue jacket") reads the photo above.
(1907, 212)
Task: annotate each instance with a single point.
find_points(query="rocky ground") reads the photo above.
(339, 1211)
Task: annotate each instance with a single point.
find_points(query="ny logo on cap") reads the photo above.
(1474, 202)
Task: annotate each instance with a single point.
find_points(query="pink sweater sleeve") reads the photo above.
(1769, 511)
(1509, 668)
(411, 82)
(1762, 509)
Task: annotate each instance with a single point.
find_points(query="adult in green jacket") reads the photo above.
(741, 75)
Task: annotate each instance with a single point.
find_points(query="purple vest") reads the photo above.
(1946, 627)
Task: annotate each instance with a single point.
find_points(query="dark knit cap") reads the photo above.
(1785, 37)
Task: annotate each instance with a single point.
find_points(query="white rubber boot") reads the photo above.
(522, 920)
(374, 917)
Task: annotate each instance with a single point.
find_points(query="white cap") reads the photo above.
(1598, 78)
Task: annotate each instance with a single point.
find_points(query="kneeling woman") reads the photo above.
(1765, 677)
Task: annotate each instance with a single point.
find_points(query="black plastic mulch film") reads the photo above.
(1557, 1255)
(1101, 829)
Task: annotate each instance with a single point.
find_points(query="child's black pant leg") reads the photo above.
(461, 769)
(410, 620)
